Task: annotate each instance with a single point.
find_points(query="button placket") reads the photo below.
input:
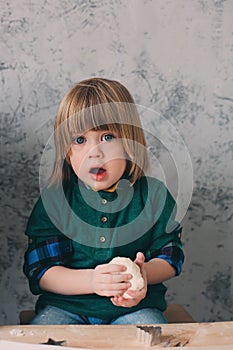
(104, 201)
(102, 239)
(104, 219)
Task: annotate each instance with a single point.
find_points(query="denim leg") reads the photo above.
(97, 321)
(143, 316)
(53, 315)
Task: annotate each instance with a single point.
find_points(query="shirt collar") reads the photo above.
(111, 189)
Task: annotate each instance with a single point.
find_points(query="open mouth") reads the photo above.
(97, 171)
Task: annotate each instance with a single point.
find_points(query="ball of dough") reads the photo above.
(137, 282)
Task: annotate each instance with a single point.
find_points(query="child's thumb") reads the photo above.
(140, 258)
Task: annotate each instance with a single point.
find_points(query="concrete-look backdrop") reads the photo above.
(176, 58)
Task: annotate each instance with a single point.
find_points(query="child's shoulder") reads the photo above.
(148, 185)
(149, 181)
(49, 196)
(45, 209)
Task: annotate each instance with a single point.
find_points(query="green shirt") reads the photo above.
(79, 228)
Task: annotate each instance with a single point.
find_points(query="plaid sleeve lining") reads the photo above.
(172, 254)
(42, 256)
(51, 249)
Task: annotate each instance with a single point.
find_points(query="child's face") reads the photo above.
(98, 158)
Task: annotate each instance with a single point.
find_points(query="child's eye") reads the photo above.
(108, 137)
(79, 140)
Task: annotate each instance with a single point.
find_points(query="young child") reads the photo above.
(100, 204)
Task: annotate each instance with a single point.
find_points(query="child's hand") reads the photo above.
(137, 296)
(108, 280)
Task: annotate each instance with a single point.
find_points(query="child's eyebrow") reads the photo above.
(73, 136)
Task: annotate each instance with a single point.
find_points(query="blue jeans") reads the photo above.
(53, 315)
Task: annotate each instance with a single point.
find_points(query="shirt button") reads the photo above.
(104, 201)
(104, 219)
(102, 239)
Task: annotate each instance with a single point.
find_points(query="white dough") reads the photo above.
(137, 282)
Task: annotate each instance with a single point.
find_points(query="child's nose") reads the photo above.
(96, 152)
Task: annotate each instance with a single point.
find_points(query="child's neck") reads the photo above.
(110, 189)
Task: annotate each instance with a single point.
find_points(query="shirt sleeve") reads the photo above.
(172, 254)
(42, 255)
(47, 246)
(166, 242)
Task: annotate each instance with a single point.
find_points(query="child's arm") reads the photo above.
(104, 280)
(45, 265)
(158, 271)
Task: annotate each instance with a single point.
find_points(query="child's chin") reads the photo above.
(98, 187)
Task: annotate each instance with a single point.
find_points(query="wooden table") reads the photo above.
(198, 336)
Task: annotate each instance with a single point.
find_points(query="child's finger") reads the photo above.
(140, 258)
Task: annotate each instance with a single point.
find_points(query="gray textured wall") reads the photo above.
(176, 58)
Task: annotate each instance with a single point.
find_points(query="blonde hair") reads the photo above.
(96, 104)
